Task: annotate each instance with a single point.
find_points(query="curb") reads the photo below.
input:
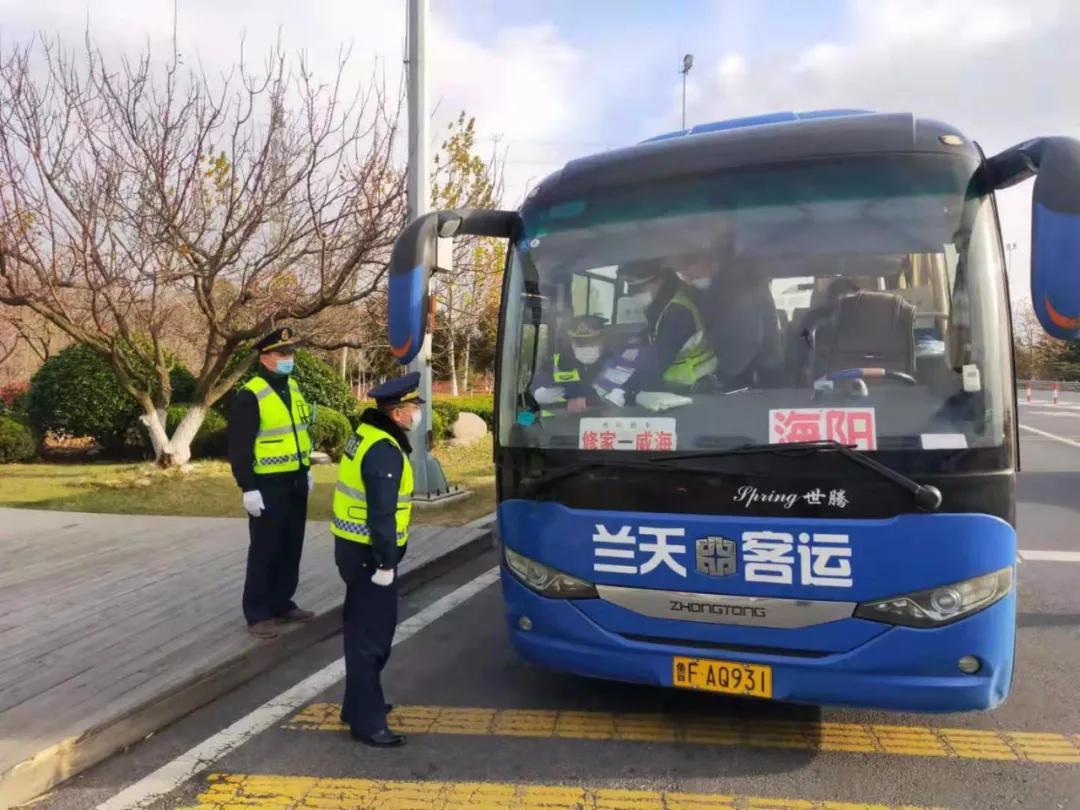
(49, 768)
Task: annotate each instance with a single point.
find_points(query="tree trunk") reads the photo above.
(466, 374)
(174, 451)
(451, 351)
(154, 421)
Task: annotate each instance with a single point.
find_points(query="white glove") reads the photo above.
(253, 503)
(549, 396)
(310, 481)
(383, 576)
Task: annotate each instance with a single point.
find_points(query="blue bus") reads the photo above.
(756, 425)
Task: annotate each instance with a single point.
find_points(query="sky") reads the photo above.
(550, 80)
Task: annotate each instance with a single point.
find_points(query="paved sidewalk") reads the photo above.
(113, 626)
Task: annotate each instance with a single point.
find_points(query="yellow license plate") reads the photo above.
(729, 677)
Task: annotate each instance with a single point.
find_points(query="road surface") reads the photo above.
(490, 731)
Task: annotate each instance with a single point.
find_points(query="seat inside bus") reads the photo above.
(867, 330)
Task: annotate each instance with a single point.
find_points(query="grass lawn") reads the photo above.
(209, 490)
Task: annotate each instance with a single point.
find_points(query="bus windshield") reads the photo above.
(859, 300)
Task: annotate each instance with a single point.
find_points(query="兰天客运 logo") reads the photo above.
(716, 556)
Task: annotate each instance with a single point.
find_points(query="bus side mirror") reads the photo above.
(1055, 239)
(412, 261)
(1055, 226)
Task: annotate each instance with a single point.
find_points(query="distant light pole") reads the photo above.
(1009, 248)
(687, 63)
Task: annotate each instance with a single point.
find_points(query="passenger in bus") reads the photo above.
(741, 324)
(673, 352)
(570, 379)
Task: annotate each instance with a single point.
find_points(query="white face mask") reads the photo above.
(414, 421)
(697, 283)
(644, 298)
(587, 355)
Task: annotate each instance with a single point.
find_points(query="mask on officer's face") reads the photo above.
(414, 419)
(587, 355)
(697, 283)
(285, 366)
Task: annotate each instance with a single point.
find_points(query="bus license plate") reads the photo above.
(729, 677)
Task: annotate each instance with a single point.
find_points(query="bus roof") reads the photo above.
(755, 141)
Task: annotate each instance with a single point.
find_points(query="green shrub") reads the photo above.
(444, 414)
(16, 441)
(75, 393)
(439, 430)
(330, 432)
(183, 384)
(212, 438)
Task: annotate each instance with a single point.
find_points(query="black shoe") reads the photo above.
(384, 738)
(389, 707)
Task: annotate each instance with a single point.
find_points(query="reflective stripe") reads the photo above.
(359, 495)
(281, 431)
(264, 393)
(345, 489)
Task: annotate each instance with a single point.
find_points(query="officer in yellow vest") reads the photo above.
(372, 507)
(569, 380)
(270, 455)
(675, 354)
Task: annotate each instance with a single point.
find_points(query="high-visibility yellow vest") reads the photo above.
(283, 443)
(561, 376)
(350, 500)
(696, 359)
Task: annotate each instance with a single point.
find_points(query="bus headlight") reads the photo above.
(938, 606)
(545, 580)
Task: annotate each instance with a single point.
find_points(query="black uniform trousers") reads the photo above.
(277, 541)
(369, 620)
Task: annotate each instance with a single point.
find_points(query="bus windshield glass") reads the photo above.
(859, 300)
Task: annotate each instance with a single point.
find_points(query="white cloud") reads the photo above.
(1000, 71)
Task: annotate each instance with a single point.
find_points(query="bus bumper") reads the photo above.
(903, 669)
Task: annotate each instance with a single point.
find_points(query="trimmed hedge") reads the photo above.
(16, 441)
(330, 432)
(75, 393)
(182, 382)
(439, 429)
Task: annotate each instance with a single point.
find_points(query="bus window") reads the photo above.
(593, 292)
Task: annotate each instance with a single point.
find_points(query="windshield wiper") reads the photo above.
(927, 498)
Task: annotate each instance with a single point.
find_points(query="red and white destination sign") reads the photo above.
(627, 433)
(853, 426)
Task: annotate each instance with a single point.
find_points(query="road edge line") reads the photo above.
(1048, 435)
(197, 759)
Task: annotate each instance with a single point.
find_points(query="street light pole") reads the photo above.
(429, 480)
(687, 63)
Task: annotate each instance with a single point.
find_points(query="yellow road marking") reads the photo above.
(265, 792)
(866, 738)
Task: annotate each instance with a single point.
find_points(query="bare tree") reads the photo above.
(139, 204)
(463, 179)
